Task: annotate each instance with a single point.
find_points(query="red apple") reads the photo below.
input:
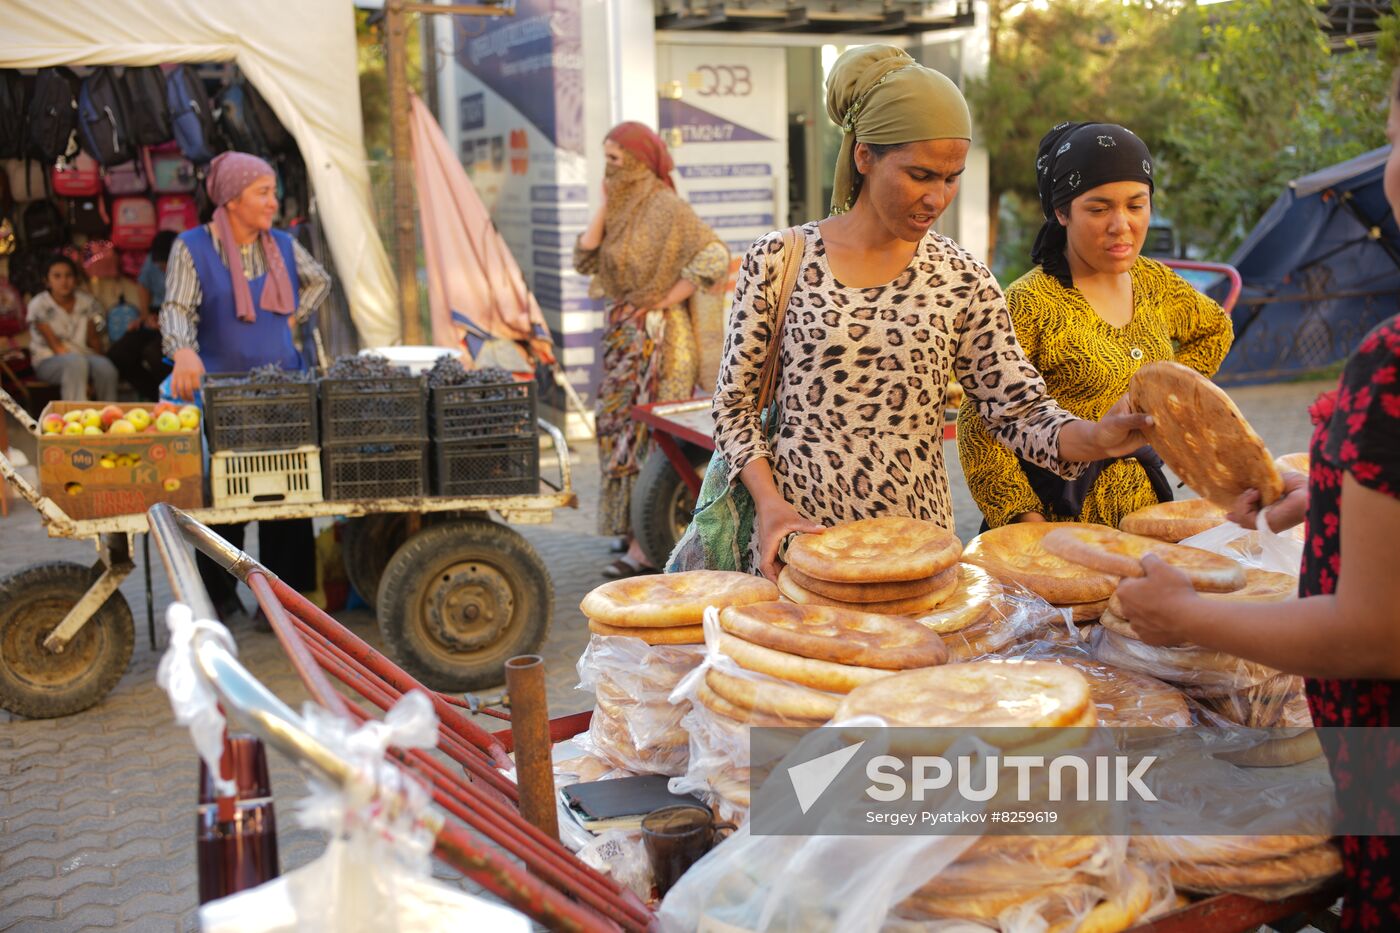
(108, 415)
(53, 424)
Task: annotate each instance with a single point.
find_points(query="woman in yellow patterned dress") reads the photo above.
(652, 258)
(1092, 312)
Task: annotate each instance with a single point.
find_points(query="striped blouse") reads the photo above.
(179, 313)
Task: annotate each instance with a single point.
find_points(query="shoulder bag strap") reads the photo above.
(794, 245)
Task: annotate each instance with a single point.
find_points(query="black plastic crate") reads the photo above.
(484, 412)
(495, 468)
(394, 409)
(243, 416)
(375, 471)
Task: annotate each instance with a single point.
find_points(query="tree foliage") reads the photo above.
(1234, 100)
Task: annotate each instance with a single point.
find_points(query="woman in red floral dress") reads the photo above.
(1343, 633)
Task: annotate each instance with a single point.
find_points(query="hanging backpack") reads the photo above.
(133, 223)
(53, 116)
(88, 216)
(102, 118)
(191, 117)
(100, 260)
(273, 134)
(167, 170)
(131, 261)
(127, 178)
(41, 225)
(26, 179)
(12, 111)
(148, 115)
(236, 123)
(80, 178)
(176, 212)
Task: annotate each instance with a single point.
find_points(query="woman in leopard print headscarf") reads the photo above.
(653, 260)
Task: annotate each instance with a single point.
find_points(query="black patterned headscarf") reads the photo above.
(1072, 158)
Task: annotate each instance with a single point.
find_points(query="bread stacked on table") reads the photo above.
(887, 566)
(1173, 521)
(783, 664)
(647, 636)
(1055, 877)
(1266, 867)
(1016, 555)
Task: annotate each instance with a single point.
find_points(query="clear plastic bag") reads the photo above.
(1122, 697)
(1262, 548)
(191, 699)
(636, 726)
(1016, 616)
(1200, 672)
(374, 876)
(621, 854)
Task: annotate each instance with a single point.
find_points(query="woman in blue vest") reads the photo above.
(233, 287)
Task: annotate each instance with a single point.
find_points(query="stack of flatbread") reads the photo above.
(1266, 867)
(1173, 521)
(1119, 554)
(887, 566)
(1057, 877)
(635, 726)
(792, 665)
(1016, 554)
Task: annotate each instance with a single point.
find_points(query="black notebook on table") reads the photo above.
(621, 803)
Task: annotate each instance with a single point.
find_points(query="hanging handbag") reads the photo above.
(723, 524)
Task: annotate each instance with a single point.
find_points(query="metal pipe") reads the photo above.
(529, 723)
(179, 563)
(401, 151)
(306, 667)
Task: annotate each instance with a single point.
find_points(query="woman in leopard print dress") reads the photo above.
(883, 312)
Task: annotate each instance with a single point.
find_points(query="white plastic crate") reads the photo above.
(265, 477)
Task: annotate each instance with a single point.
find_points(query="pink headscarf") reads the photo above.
(229, 175)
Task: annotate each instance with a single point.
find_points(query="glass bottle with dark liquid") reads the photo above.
(236, 837)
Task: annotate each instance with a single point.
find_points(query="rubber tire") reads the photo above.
(420, 560)
(110, 630)
(369, 542)
(654, 502)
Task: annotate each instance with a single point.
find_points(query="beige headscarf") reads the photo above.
(878, 94)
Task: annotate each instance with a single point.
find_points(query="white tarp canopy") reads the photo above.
(301, 56)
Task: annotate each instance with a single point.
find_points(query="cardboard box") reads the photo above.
(100, 475)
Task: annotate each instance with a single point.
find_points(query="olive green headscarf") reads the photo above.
(878, 94)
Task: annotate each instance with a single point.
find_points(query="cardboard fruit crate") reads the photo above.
(242, 416)
(260, 477)
(100, 475)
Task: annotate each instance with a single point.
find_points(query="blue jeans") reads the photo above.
(73, 370)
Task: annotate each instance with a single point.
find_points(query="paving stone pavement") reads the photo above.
(97, 809)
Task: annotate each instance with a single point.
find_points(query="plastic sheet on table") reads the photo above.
(635, 725)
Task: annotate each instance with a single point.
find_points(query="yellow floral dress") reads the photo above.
(1086, 363)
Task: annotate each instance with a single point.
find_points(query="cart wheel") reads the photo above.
(459, 599)
(370, 541)
(38, 683)
(662, 503)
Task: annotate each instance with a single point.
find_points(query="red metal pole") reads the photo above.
(306, 667)
(333, 631)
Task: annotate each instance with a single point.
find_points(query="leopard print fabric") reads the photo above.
(863, 378)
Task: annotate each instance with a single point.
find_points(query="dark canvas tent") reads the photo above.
(1320, 270)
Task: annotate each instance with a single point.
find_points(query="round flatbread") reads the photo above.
(1173, 521)
(735, 718)
(999, 694)
(1260, 586)
(1277, 753)
(843, 636)
(675, 635)
(670, 599)
(1307, 865)
(1220, 850)
(1052, 852)
(819, 675)
(1120, 910)
(968, 603)
(1033, 861)
(913, 605)
(876, 550)
(1016, 554)
(1293, 463)
(1129, 699)
(874, 592)
(1086, 612)
(1114, 552)
(986, 906)
(1201, 435)
(986, 636)
(787, 701)
(1200, 671)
